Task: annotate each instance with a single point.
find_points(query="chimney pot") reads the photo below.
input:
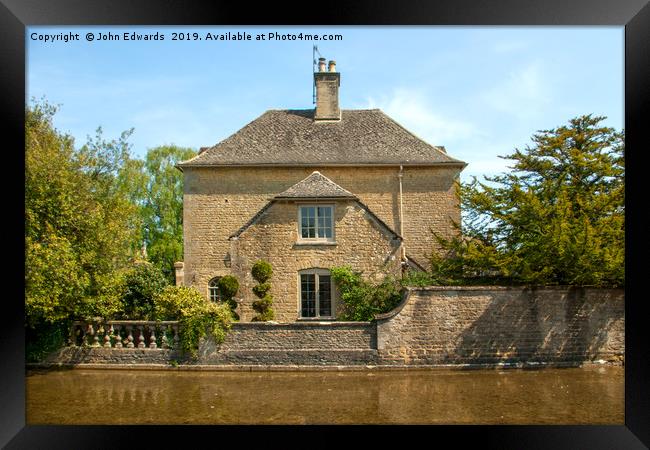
(327, 92)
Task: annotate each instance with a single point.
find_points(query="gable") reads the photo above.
(262, 217)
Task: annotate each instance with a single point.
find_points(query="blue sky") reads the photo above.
(478, 91)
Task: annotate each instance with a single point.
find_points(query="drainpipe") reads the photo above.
(401, 211)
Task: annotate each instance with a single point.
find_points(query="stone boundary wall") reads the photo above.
(297, 343)
(492, 325)
(99, 355)
(434, 326)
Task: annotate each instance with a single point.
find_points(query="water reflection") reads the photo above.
(593, 395)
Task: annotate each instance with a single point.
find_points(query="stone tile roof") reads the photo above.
(315, 185)
(292, 137)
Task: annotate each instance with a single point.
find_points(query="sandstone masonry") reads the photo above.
(437, 326)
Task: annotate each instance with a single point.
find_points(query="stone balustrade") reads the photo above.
(140, 334)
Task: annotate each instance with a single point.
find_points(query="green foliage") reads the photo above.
(197, 316)
(228, 287)
(45, 338)
(260, 290)
(261, 271)
(80, 225)
(362, 300)
(557, 218)
(158, 189)
(141, 284)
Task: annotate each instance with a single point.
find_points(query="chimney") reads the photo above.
(327, 92)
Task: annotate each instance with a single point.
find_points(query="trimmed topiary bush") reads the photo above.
(260, 290)
(262, 272)
(228, 287)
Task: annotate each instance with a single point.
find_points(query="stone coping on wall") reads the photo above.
(478, 288)
(302, 323)
(319, 368)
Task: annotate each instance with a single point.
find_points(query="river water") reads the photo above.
(587, 395)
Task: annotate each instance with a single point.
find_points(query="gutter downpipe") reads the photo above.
(401, 211)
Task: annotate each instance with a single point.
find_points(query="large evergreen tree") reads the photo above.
(556, 218)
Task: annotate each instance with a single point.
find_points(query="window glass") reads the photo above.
(316, 222)
(213, 290)
(315, 295)
(324, 296)
(308, 295)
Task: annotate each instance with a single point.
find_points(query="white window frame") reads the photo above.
(210, 288)
(317, 273)
(316, 240)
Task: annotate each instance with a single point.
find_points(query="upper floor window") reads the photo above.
(316, 222)
(213, 290)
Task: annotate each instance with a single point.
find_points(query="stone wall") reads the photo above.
(122, 356)
(487, 325)
(298, 343)
(219, 201)
(361, 243)
(461, 326)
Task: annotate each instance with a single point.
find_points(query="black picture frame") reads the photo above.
(15, 15)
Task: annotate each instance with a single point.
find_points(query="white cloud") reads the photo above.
(522, 93)
(410, 108)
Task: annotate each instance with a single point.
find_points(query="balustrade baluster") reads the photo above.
(141, 337)
(107, 336)
(176, 337)
(88, 332)
(118, 338)
(163, 339)
(129, 338)
(152, 338)
(96, 336)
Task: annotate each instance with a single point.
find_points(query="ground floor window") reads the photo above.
(315, 294)
(213, 290)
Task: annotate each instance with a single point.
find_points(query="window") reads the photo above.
(316, 294)
(315, 222)
(213, 290)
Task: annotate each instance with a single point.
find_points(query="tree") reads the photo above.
(79, 223)
(557, 218)
(162, 206)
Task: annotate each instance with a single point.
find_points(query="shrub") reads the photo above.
(45, 338)
(262, 271)
(142, 284)
(197, 316)
(262, 289)
(361, 299)
(228, 287)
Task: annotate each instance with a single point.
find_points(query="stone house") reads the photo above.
(307, 190)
